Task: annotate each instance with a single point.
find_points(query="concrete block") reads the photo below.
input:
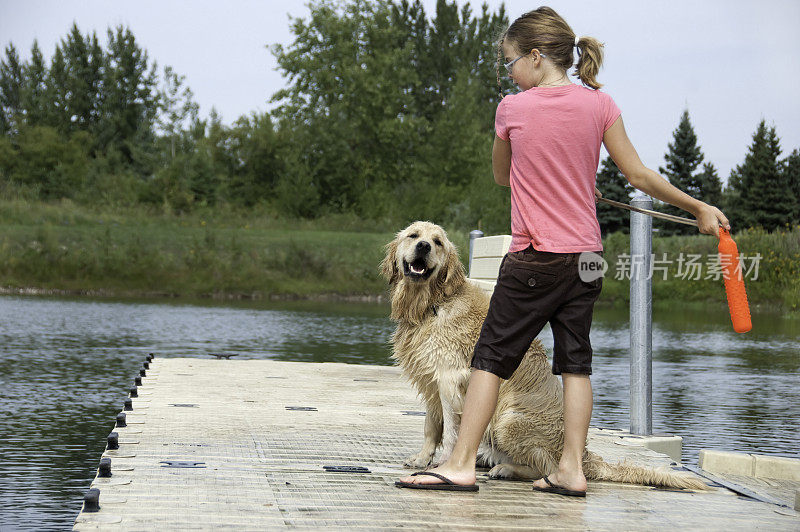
(485, 268)
(751, 465)
(724, 462)
(491, 246)
(776, 467)
(664, 444)
(672, 446)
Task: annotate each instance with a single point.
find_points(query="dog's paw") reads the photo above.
(418, 461)
(502, 471)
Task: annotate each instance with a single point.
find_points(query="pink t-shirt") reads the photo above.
(555, 135)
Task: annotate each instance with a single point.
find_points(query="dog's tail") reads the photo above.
(596, 469)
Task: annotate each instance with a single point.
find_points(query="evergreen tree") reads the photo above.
(710, 185)
(453, 42)
(35, 93)
(11, 83)
(411, 21)
(129, 103)
(731, 200)
(791, 168)
(81, 81)
(56, 80)
(613, 185)
(683, 158)
(761, 190)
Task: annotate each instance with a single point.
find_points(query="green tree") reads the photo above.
(296, 193)
(352, 72)
(683, 158)
(217, 142)
(456, 154)
(455, 41)
(254, 148)
(35, 92)
(56, 82)
(177, 108)
(613, 185)
(39, 160)
(791, 169)
(761, 192)
(106, 103)
(710, 185)
(83, 60)
(386, 107)
(731, 199)
(129, 104)
(11, 84)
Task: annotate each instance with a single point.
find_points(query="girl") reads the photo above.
(546, 148)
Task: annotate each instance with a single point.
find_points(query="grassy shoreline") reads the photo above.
(66, 249)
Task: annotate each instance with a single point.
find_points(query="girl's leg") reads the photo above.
(479, 405)
(577, 414)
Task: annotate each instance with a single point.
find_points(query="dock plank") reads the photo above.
(264, 463)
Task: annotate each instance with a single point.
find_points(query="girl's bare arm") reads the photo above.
(501, 161)
(638, 175)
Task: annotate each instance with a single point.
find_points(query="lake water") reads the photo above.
(66, 366)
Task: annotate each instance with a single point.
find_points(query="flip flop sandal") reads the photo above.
(552, 488)
(446, 485)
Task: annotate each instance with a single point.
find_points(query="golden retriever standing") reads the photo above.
(439, 315)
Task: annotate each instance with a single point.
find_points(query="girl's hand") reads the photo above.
(709, 219)
(597, 194)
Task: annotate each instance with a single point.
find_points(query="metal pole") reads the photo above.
(477, 233)
(641, 318)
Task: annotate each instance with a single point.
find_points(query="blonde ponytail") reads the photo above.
(590, 59)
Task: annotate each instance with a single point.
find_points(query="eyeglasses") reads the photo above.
(510, 65)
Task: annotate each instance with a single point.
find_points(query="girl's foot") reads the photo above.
(461, 477)
(571, 480)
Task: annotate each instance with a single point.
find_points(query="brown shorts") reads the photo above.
(533, 288)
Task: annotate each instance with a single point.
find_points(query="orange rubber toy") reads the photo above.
(734, 283)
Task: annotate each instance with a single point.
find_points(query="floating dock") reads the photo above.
(259, 444)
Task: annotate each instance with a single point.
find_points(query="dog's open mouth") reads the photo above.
(417, 269)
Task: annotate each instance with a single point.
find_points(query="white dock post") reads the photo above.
(641, 318)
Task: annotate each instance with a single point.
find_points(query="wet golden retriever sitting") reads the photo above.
(439, 316)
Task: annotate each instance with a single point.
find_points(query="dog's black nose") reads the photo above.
(423, 247)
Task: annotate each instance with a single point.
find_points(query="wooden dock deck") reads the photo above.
(257, 434)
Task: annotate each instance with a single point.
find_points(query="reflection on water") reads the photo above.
(65, 366)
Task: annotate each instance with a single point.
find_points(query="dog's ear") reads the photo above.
(389, 268)
(452, 275)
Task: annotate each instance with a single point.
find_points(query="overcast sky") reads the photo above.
(730, 62)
